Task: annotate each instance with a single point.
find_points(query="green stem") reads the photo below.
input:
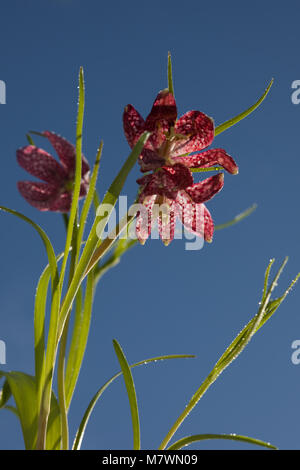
(61, 388)
(87, 261)
(193, 402)
(63, 348)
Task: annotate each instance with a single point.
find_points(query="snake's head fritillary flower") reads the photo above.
(55, 192)
(170, 154)
(172, 188)
(172, 141)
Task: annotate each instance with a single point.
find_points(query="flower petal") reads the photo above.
(195, 217)
(190, 214)
(162, 116)
(62, 203)
(41, 164)
(133, 124)
(205, 190)
(181, 176)
(167, 181)
(39, 195)
(196, 131)
(164, 110)
(150, 160)
(144, 220)
(67, 154)
(208, 226)
(166, 221)
(208, 159)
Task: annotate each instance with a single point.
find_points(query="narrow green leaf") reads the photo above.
(39, 329)
(53, 441)
(44, 237)
(55, 290)
(115, 188)
(30, 140)
(96, 201)
(46, 384)
(274, 304)
(108, 242)
(185, 441)
(53, 336)
(232, 352)
(122, 247)
(239, 117)
(88, 199)
(203, 170)
(77, 183)
(12, 409)
(170, 75)
(79, 339)
(237, 218)
(128, 379)
(266, 280)
(83, 424)
(97, 229)
(5, 393)
(65, 220)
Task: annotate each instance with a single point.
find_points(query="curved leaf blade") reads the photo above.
(129, 383)
(5, 393)
(231, 122)
(83, 424)
(43, 236)
(82, 321)
(237, 218)
(234, 349)
(185, 441)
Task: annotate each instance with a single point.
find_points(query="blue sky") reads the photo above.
(163, 300)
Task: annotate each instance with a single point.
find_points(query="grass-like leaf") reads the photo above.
(109, 200)
(79, 339)
(88, 199)
(39, 324)
(83, 424)
(5, 393)
(266, 310)
(55, 304)
(204, 170)
(52, 342)
(44, 238)
(231, 122)
(111, 197)
(170, 75)
(129, 383)
(77, 183)
(30, 139)
(185, 441)
(237, 218)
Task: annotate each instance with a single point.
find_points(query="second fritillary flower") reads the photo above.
(55, 192)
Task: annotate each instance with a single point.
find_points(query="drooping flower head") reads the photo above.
(172, 141)
(55, 192)
(170, 154)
